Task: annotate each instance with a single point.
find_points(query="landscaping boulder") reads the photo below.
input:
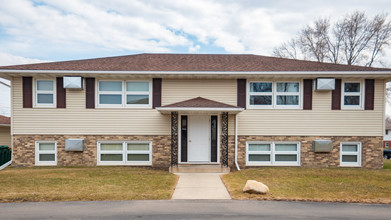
(253, 186)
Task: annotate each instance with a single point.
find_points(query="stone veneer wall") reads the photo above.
(371, 152)
(24, 149)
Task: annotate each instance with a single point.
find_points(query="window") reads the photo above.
(263, 95)
(387, 145)
(110, 93)
(350, 155)
(45, 153)
(288, 93)
(45, 93)
(386, 132)
(352, 95)
(125, 153)
(273, 153)
(124, 94)
(137, 93)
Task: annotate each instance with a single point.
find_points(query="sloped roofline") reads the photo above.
(178, 63)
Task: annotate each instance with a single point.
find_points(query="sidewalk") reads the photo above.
(200, 186)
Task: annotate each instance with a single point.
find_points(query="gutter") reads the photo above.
(61, 72)
(236, 142)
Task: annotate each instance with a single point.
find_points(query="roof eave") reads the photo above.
(8, 74)
(167, 110)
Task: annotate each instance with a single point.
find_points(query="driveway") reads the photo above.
(192, 209)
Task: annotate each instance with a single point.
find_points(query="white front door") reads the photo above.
(199, 138)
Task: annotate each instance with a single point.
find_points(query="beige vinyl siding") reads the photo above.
(321, 120)
(177, 90)
(76, 119)
(5, 136)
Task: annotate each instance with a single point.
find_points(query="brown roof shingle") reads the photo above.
(5, 120)
(191, 62)
(199, 102)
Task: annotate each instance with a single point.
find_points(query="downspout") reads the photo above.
(236, 142)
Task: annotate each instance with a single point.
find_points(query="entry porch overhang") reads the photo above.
(199, 105)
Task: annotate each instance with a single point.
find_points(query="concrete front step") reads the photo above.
(199, 168)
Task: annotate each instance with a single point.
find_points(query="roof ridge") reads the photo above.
(191, 62)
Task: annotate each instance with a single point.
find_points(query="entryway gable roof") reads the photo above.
(200, 104)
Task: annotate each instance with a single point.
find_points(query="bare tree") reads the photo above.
(314, 40)
(354, 39)
(287, 50)
(382, 36)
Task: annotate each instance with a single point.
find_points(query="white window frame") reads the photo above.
(124, 153)
(38, 152)
(358, 154)
(110, 93)
(260, 94)
(274, 95)
(387, 144)
(287, 94)
(149, 93)
(123, 94)
(36, 92)
(361, 94)
(273, 154)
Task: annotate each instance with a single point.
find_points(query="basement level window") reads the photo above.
(350, 154)
(125, 153)
(45, 153)
(273, 154)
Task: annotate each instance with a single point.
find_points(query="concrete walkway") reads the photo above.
(200, 186)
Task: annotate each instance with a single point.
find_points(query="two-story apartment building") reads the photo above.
(164, 110)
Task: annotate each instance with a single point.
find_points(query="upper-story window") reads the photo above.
(352, 95)
(45, 94)
(274, 95)
(124, 94)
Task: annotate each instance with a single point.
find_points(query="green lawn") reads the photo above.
(387, 164)
(84, 183)
(318, 184)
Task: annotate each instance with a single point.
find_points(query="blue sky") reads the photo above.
(55, 30)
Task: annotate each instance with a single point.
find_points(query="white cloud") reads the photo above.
(9, 59)
(194, 49)
(5, 60)
(121, 26)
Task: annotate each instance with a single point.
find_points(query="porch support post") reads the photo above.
(174, 139)
(224, 139)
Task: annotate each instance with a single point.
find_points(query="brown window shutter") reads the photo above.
(241, 96)
(157, 92)
(369, 94)
(336, 96)
(27, 92)
(61, 93)
(307, 101)
(90, 92)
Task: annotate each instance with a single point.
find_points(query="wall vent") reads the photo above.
(74, 145)
(324, 84)
(322, 145)
(73, 82)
